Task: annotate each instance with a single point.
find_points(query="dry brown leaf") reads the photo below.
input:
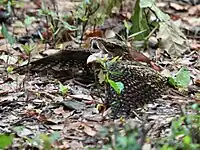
(89, 131)
(194, 10)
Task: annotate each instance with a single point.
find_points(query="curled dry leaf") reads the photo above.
(173, 40)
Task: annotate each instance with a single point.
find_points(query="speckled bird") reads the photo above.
(141, 83)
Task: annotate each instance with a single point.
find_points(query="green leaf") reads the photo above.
(26, 48)
(9, 69)
(195, 106)
(54, 136)
(151, 4)
(7, 35)
(46, 141)
(167, 147)
(68, 26)
(53, 14)
(115, 59)
(187, 140)
(103, 62)
(136, 18)
(127, 26)
(29, 20)
(172, 81)
(161, 15)
(9, 6)
(182, 78)
(117, 86)
(120, 85)
(101, 76)
(146, 3)
(18, 129)
(139, 22)
(63, 89)
(5, 140)
(135, 34)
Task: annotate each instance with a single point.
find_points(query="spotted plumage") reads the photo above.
(141, 86)
(141, 83)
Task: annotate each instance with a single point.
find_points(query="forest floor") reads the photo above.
(37, 111)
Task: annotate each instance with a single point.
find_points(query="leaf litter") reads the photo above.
(32, 105)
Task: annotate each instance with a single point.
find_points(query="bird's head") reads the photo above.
(107, 48)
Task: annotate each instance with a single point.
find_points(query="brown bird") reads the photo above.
(140, 84)
(63, 65)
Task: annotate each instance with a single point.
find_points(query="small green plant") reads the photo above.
(94, 13)
(56, 24)
(185, 133)
(6, 140)
(63, 89)
(9, 69)
(105, 73)
(84, 14)
(10, 5)
(120, 138)
(28, 48)
(43, 141)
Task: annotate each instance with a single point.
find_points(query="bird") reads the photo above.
(63, 65)
(140, 84)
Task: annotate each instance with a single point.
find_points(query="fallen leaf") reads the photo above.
(93, 33)
(194, 10)
(73, 104)
(59, 111)
(10, 59)
(197, 82)
(82, 97)
(89, 131)
(173, 40)
(178, 7)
